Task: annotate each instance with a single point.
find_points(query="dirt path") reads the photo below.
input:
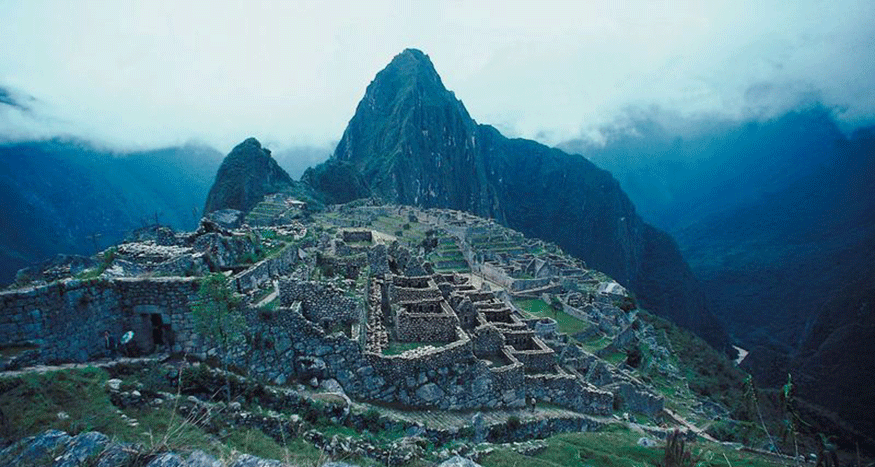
(270, 296)
(682, 421)
(446, 420)
(105, 363)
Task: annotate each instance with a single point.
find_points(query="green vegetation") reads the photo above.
(76, 401)
(595, 343)
(538, 308)
(31, 403)
(106, 259)
(615, 357)
(615, 448)
(217, 316)
(708, 372)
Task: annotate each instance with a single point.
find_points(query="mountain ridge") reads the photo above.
(67, 196)
(247, 173)
(413, 142)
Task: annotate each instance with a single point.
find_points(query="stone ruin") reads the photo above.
(465, 347)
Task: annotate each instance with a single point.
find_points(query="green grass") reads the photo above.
(106, 259)
(260, 294)
(615, 357)
(708, 372)
(596, 343)
(613, 448)
(566, 323)
(31, 403)
(254, 441)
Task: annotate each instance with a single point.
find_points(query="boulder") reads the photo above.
(430, 392)
(458, 461)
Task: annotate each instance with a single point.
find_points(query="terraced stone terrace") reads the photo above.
(381, 304)
(274, 210)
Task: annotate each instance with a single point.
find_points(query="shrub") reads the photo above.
(513, 422)
(371, 420)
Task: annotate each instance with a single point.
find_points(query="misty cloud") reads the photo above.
(154, 73)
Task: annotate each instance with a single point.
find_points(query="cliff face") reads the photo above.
(245, 176)
(414, 143)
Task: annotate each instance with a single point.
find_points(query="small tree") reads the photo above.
(676, 453)
(556, 305)
(218, 318)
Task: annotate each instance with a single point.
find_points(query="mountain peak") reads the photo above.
(410, 73)
(245, 176)
(412, 61)
(412, 142)
(408, 100)
(250, 146)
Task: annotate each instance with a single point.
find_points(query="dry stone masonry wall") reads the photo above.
(66, 321)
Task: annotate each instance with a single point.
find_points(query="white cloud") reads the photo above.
(150, 73)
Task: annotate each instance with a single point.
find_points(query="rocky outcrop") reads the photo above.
(414, 143)
(59, 449)
(245, 176)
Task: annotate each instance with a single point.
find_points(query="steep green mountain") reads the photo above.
(245, 176)
(63, 196)
(412, 142)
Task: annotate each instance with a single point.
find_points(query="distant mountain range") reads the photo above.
(69, 197)
(777, 220)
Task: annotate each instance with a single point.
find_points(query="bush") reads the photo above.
(513, 423)
(676, 453)
(371, 420)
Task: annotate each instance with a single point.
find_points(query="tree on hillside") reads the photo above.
(219, 319)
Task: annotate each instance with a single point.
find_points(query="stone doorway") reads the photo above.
(157, 329)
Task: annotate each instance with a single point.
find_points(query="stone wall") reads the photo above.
(413, 294)
(413, 323)
(568, 391)
(266, 270)
(487, 340)
(448, 377)
(519, 285)
(321, 301)
(66, 320)
(493, 273)
(350, 236)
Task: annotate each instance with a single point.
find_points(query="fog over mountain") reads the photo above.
(151, 74)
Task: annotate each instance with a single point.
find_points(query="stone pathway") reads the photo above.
(681, 420)
(270, 296)
(106, 363)
(446, 421)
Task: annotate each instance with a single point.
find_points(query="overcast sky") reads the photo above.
(141, 74)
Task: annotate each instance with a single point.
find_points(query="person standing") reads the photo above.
(110, 345)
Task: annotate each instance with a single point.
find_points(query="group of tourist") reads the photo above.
(113, 346)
